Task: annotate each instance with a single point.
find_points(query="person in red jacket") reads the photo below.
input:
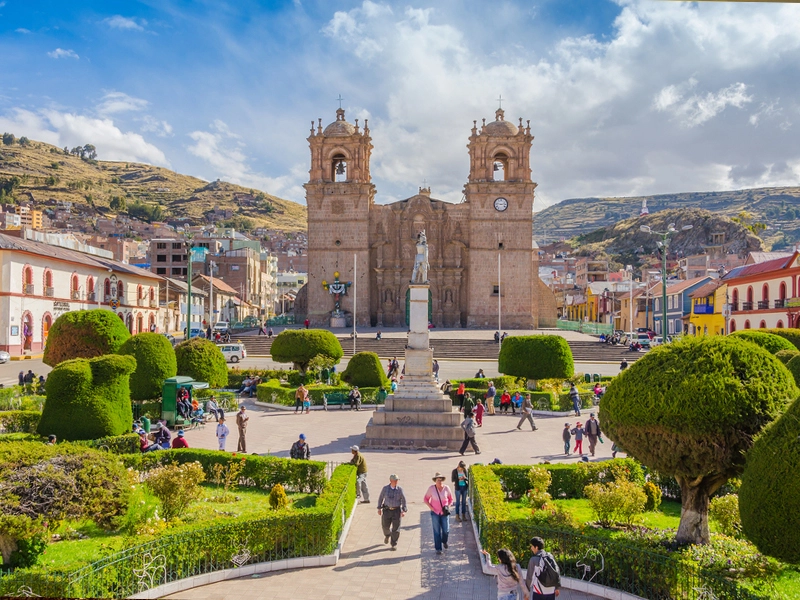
(180, 441)
(505, 401)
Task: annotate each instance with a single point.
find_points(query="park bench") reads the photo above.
(334, 398)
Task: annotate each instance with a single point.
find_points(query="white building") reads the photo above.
(39, 282)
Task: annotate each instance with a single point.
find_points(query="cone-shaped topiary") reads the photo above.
(791, 334)
(277, 497)
(88, 398)
(202, 360)
(155, 361)
(769, 498)
(84, 334)
(691, 410)
(536, 357)
(786, 355)
(769, 341)
(365, 370)
(301, 346)
(794, 368)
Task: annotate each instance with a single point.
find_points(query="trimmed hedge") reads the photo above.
(84, 334)
(20, 421)
(155, 362)
(127, 443)
(258, 471)
(769, 497)
(301, 346)
(769, 341)
(786, 355)
(501, 382)
(793, 335)
(273, 392)
(536, 357)
(88, 398)
(202, 360)
(794, 368)
(365, 370)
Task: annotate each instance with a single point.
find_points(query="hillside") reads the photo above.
(624, 242)
(47, 173)
(778, 208)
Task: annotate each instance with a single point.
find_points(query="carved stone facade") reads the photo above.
(469, 244)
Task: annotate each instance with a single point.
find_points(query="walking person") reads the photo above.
(527, 413)
(623, 365)
(566, 435)
(592, 429)
(439, 498)
(300, 449)
(543, 579)
(222, 433)
(479, 410)
(469, 403)
(468, 425)
(391, 508)
(241, 423)
(510, 585)
(436, 370)
(575, 396)
(362, 491)
(578, 432)
(300, 398)
(490, 394)
(460, 479)
(460, 396)
(306, 323)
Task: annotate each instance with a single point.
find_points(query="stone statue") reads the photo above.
(420, 273)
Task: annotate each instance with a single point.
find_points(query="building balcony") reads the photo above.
(76, 295)
(91, 297)
(153, 303)
(28, 289)
(140, 302)
(49, 291)
(704, 309)
(734, 306)
(747, 306)
(780, 303)
(763, 304)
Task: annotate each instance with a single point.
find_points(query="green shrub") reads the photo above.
(142, 517)
(653, 494)
(691, 410)
(84, 334)
(16, 398)
(618, 501)
(301, 346)
(155, 362)
(770, 491)
(724, 511)
(88, 398)
(501, 382)
(277, 497)
(555, 516)
(770, 342)
(794, 368)
(127, 443)
(793, 335)
(176, 486)
(21, 540)
(539, 482)
(565, 402)
(365, 370)
(536, 357)
(786, 355)
(20, 421)
(202, 360)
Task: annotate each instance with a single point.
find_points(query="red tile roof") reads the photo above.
(758, 268)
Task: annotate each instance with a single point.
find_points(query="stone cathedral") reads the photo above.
(365, 251)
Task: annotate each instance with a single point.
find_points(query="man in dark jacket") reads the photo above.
(592, 429)
(300, 449)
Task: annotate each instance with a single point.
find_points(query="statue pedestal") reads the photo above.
(418, 416)
(338, 322)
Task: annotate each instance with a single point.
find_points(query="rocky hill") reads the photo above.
(777, 208)
(624, 242)
(41, 173)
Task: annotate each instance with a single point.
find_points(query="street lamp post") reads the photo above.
(189, 246)
(664, 244)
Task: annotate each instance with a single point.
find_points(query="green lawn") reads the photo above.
(788, 584)
(251, 503)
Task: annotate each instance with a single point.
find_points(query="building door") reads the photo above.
(408, 307)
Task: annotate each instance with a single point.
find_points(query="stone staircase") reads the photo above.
(451, 349)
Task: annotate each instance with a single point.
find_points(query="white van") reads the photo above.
(233, 352)
(221, 326)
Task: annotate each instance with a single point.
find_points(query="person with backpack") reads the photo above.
(544, 578)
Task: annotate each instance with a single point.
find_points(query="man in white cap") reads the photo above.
(392, 507)
(360, 463)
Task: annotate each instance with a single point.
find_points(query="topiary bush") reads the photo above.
(155, 362)
(301, 346)
(653, 494)
(536, 357)
(769, 341)
(794, 368)
(89, 398)
(724, 511)
(365, 370)
(770, 493)
(791, 334)
(176, 486)
(691, 410)
(20, 421)
(202, 360)
(786, 355)
(277, 497)
(84, 334)
(618, 501)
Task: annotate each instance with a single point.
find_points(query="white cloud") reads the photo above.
(697, 109)
(118, 102)
(153, 125)
(22, 30)
(61, 53)
(69, 129)
(125, 23)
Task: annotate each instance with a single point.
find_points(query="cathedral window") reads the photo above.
(499, 167)
(339, 168)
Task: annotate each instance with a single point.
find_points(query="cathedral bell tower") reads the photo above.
(339, 194)
(503, 264)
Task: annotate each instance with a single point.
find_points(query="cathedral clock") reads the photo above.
(500, 204)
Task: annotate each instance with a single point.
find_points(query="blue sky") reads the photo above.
(624, 97)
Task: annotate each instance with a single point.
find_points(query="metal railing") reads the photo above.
(49, 291)
(28, 289)
(584, 327)
(763, 304)
(747, 306)
(76, 294)
(91, 297)
(780, 303)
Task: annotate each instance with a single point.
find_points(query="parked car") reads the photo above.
(643, 339)
(658, 340)
(171, 338)
(233, 352)
(220, 326)
(4, 356)
(197, 332)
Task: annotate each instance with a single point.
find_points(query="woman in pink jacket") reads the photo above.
(439, 498)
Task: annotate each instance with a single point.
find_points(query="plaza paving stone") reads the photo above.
(368, 568)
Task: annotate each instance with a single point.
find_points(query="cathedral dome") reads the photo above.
(500, 127)
(339, 127)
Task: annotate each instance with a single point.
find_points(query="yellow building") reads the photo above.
(708, 301)
(29, 217)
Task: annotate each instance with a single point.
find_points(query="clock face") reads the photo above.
(501, 204)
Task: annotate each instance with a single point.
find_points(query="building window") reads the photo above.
(176, 270)
(161, 246)
(177, 257)
(495, 290)
(670, 327)
(161, 271)
(161, 258)
(176, 245)
(234, 267)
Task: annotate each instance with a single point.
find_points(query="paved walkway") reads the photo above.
(368, 569)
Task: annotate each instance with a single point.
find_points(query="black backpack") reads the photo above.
(549, 576)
